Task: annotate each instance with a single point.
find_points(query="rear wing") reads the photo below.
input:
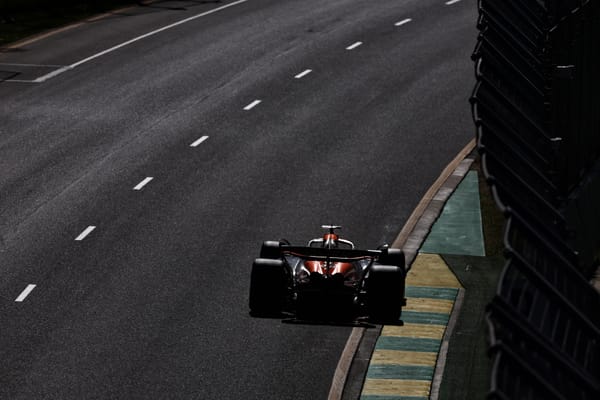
(321, 253)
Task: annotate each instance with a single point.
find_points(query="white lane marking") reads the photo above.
(197, 142)
(143, 183)
(110, 50)
(86, 232)
(404, 21)
(353, 46)
(43, 78)
(19, 81)
(252, 105)
(52, 74)
(303, 74)
(449, 3)
(25, 293)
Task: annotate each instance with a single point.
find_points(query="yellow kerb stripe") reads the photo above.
(428, 305)
(401, 357)
(396, 387)
(430, 270)
(415, 331)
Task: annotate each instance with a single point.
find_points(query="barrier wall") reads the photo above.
(536, 106)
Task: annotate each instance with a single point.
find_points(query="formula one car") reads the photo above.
(328, 279)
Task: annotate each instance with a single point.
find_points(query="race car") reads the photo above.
(328, 279)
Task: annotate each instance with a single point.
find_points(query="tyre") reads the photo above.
(268, 286)
(270, 249)
(392, 257)
(385, 293)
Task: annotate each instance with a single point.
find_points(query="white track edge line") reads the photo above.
(154, 32)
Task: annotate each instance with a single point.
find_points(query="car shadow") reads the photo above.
(353, 324)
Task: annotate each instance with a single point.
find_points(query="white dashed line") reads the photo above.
(25, 293)
(252, 105)
(303, 74)
(404, 21)
(353, 46)
(199, 141)
(449, 3)
(143, 183)
(86, 232)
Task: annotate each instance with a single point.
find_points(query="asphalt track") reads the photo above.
(152, 303)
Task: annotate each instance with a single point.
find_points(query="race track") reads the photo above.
(215, 102)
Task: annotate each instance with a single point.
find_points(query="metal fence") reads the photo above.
(536, 106)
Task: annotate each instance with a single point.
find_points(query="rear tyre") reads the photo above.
(267, 287)
(392, 257)
(270, 249)
(385, 293)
